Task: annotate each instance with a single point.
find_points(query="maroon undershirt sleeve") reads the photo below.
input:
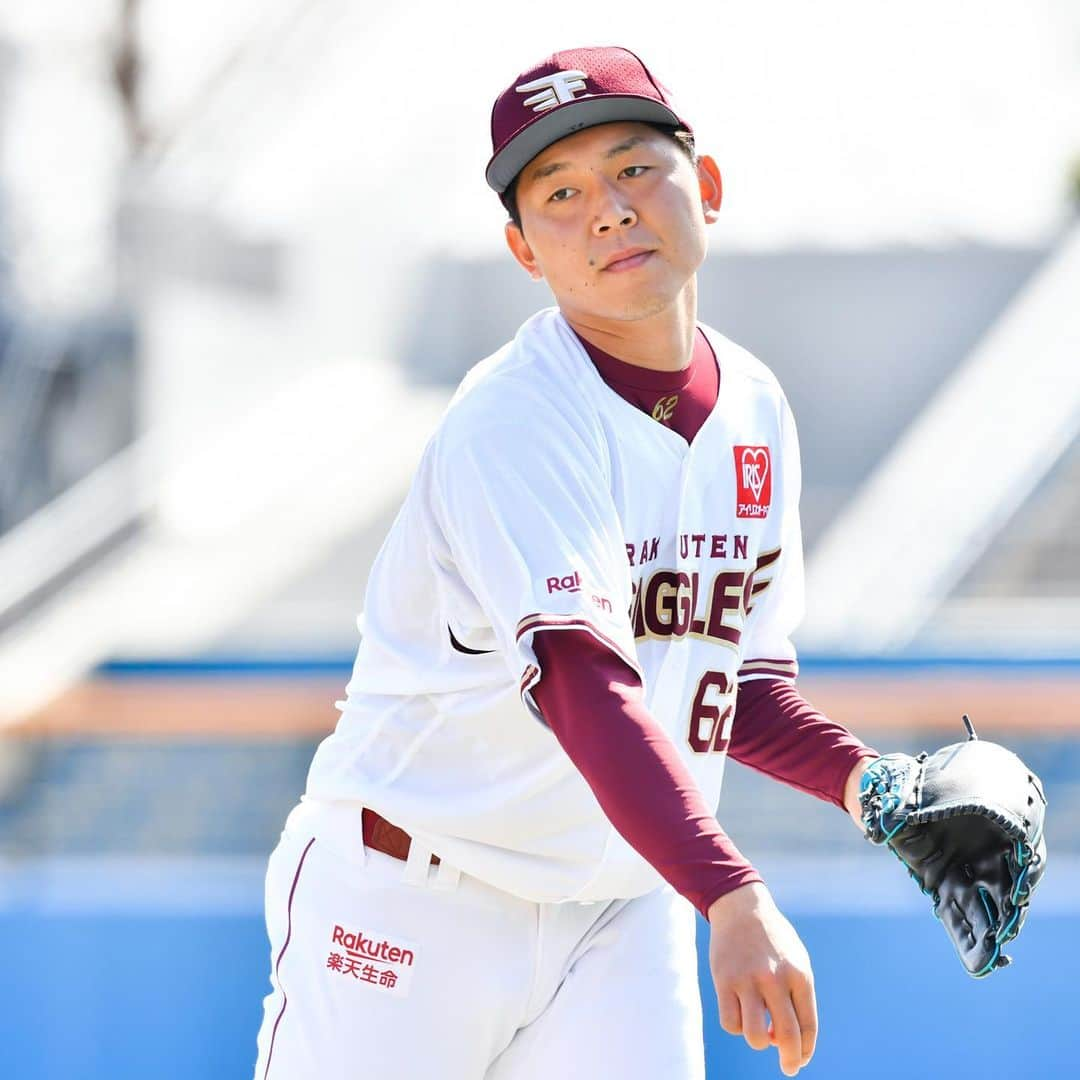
(779, 733)
(593, 702)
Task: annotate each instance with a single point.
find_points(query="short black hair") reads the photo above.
(684, 138)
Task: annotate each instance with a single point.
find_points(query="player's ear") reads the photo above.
(712, 188)
(519, 248)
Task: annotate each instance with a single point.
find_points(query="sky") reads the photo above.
(836, 124)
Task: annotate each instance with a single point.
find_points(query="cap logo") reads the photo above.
(555, 89)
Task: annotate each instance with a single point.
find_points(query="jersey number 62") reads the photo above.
(711, 714)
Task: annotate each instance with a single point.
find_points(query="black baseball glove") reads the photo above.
(967, 821)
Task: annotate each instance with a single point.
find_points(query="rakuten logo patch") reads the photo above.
(374, 959)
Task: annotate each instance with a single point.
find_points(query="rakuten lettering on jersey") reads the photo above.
(566, 583)
(373, 959)
(753, 481)
(571, 583)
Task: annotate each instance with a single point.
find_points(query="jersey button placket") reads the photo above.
(678, 653)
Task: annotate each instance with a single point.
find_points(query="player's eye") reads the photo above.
(632, 171)
(561, 195)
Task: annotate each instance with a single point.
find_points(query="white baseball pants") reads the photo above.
(397, 970)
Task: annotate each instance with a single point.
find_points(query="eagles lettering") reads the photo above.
(674, 604)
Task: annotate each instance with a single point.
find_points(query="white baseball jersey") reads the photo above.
(545, 501)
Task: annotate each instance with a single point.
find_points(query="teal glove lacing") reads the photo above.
(879, 781)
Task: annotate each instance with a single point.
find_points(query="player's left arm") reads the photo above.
(780, 734)
(966, 821)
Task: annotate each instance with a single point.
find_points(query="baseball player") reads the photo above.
(583, 607)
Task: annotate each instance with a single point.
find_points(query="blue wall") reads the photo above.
(894, 1002)
(131, 967)
(95, 990)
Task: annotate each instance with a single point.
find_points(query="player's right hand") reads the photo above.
(761, 969)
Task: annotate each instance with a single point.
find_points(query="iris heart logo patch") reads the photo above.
(753, 481)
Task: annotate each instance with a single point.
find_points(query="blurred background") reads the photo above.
(246, 252)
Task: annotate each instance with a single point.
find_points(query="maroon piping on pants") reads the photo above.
(277, 965)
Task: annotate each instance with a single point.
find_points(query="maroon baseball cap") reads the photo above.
(568, 91)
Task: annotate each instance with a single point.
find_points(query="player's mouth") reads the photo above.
(629, 259)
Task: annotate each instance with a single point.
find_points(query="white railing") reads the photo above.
(41, 551)
(240, 513)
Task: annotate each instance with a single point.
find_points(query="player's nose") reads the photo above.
(612, 211)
